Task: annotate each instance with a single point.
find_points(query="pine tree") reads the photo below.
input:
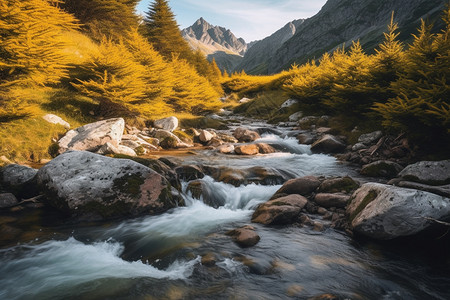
(163, 32)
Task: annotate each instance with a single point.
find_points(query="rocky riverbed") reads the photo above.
(248, 211)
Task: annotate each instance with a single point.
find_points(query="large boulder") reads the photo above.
(282, 210)
(169, 124)
(19, 180)
(89, 185)
(91, 137)
(54, 119)
(328, 144)
(385, 212)
(245, 135)
(428, 172)
(381, 168)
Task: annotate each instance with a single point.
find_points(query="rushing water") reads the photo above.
(159, 257)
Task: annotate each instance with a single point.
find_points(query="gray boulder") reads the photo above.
(289, 103)
(428, 172)
(89, 185)
(7, 200)
(169, 124)
(91, 137)
(370, 138)
(328, 144)
(385, 212)
(19, 180)
(296, 116)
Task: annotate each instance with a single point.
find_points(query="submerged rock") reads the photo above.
(245, 236)
(92, 136)
(428, 172)
(88, 185)
(385, 212)
(282, 210)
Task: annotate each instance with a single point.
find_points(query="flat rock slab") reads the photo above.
(91, 137)
(385, 212)
(81, 183)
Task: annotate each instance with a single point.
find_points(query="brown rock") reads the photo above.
(265, 148)
(209, 260)
(302, 186)
(340, 184)
(245, 236)
(250, 149)
(244, 135)
(226, 149)
(331, 200)
(283, 210)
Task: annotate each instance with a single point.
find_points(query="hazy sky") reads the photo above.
(249, 19)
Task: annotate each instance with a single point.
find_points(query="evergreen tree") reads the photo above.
(163, 32)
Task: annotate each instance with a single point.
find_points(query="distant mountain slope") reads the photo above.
(256, 58)
(341, 21)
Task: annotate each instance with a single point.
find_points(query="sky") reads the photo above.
(249, 19)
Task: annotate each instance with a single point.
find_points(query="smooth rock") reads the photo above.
(209, 260)
(169, 124)
(282, 210)
(381, 168)
(20, 180)
(295, 117)
(265, 148)
(92, 136)
(370, 138)
(289, 103)
(244, 100)
(54, 119)
(306, 138)
(7, 200)
(205, 136)
(328, 144)
(245, 136)
(249, 149)
(226, 149)
(443, 190)
(359, 146)
(336, 185)
(92, 186)
(245, 236)
(385, 212)
(428, 172)
(109, 148)
(302, 186)
(331, 200)
(189, 172)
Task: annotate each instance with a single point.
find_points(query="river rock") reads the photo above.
(7, 200)
(306, 138)
(296, 116)
(282, 210)
(245, 136)
(328, 144)
(54, 119)
(385, 212)
(331, 200)
(189, 172)
(205, 136)
(249, 149)
(169, 140)
(265, 148)
(89, 185)
(302, 186)
(20, 180)
(109, 148)
(92, 136)
(169, 124)
(336, 185)
(428, 172)
(245, 236)
(370, 138)
(381, 168)
(226, 149)
(442, 190)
